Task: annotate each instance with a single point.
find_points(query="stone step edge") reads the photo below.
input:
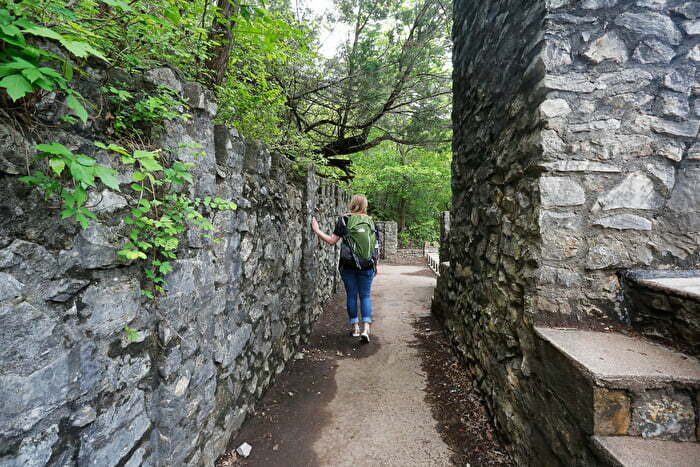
(630, 382)
(630, 451)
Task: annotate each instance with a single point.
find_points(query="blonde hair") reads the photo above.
(358, 204)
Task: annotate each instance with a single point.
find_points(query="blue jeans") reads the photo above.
(358, 283)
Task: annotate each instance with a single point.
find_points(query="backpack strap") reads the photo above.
(348, 241)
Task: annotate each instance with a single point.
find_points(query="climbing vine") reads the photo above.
(161, 209)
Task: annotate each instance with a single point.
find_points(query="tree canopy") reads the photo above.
(382, 103)
(389, 82)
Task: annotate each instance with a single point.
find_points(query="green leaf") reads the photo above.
(68, 212)
(170, 244)
(108, 176)
(43, 32)
(165, 267)
(138, 176)
(118, 3)
(132, 335)
(173, 14)
(132, 254)
(140, 154)
(18, 63)
(57, 165)
(85, 160)
(75, 105)
(112, 147)
(54, 148)
(82, 220)
(17, 86)
(82, 49)
(32, 74)
(68, 70)
(11, 30)
(82, 173)
(150, 164)
(81, 197)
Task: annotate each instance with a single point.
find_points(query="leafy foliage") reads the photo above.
(69, 178)
(390, 81)
(385, 99)
(159, 216)
(158, 219)
(409, 185)
(266, 49)
(26, 69)
(143, 115)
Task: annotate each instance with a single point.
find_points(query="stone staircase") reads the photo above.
(636, 400)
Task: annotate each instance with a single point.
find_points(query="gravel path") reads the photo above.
(340, 403)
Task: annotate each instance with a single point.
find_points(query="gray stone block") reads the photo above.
(636, 191)
(111, 306)
(561, 191)
(651, 23)
(108, 440)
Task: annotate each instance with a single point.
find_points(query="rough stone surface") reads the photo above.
(654, 51)
(658, 414)
(388, 239)
(561, 191)
(73, 389)
(636, 191)
(608, 47)
(622, 362)
(630, 451)
(573, 161)
(650, 23)
(612, 412)
(665, 305)
(624, 222)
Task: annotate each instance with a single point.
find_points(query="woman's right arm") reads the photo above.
(330, 239)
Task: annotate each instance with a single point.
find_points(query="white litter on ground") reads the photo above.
(244, 449)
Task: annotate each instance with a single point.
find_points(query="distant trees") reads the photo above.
(390, 82)
(408, 184)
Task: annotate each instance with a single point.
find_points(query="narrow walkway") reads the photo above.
(343, 404)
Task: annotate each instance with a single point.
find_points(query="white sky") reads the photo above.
(330, 37)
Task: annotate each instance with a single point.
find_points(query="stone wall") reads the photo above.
(444, 221)
(73, 390)
(575, 141)
(388, 239)
(620, 149)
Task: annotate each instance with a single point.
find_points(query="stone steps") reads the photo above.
(627, 451)
(622, 391)
(665, 305)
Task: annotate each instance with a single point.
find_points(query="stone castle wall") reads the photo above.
(73, 390)
(575, 158)
(620, 150)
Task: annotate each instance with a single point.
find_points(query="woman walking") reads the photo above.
(358, 260)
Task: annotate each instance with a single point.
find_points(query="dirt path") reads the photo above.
(340, 403)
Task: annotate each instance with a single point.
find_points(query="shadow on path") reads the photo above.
(292, 414)
(463, 421)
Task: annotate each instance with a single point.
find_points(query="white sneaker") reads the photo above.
(356, 331)
(364, 337)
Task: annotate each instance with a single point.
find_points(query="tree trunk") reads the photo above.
(221, 32)
(403, 207)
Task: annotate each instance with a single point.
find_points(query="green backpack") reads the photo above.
(361, 240)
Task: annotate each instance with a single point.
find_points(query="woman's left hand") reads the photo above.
(314, 224)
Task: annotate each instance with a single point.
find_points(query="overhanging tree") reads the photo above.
(390, 81)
